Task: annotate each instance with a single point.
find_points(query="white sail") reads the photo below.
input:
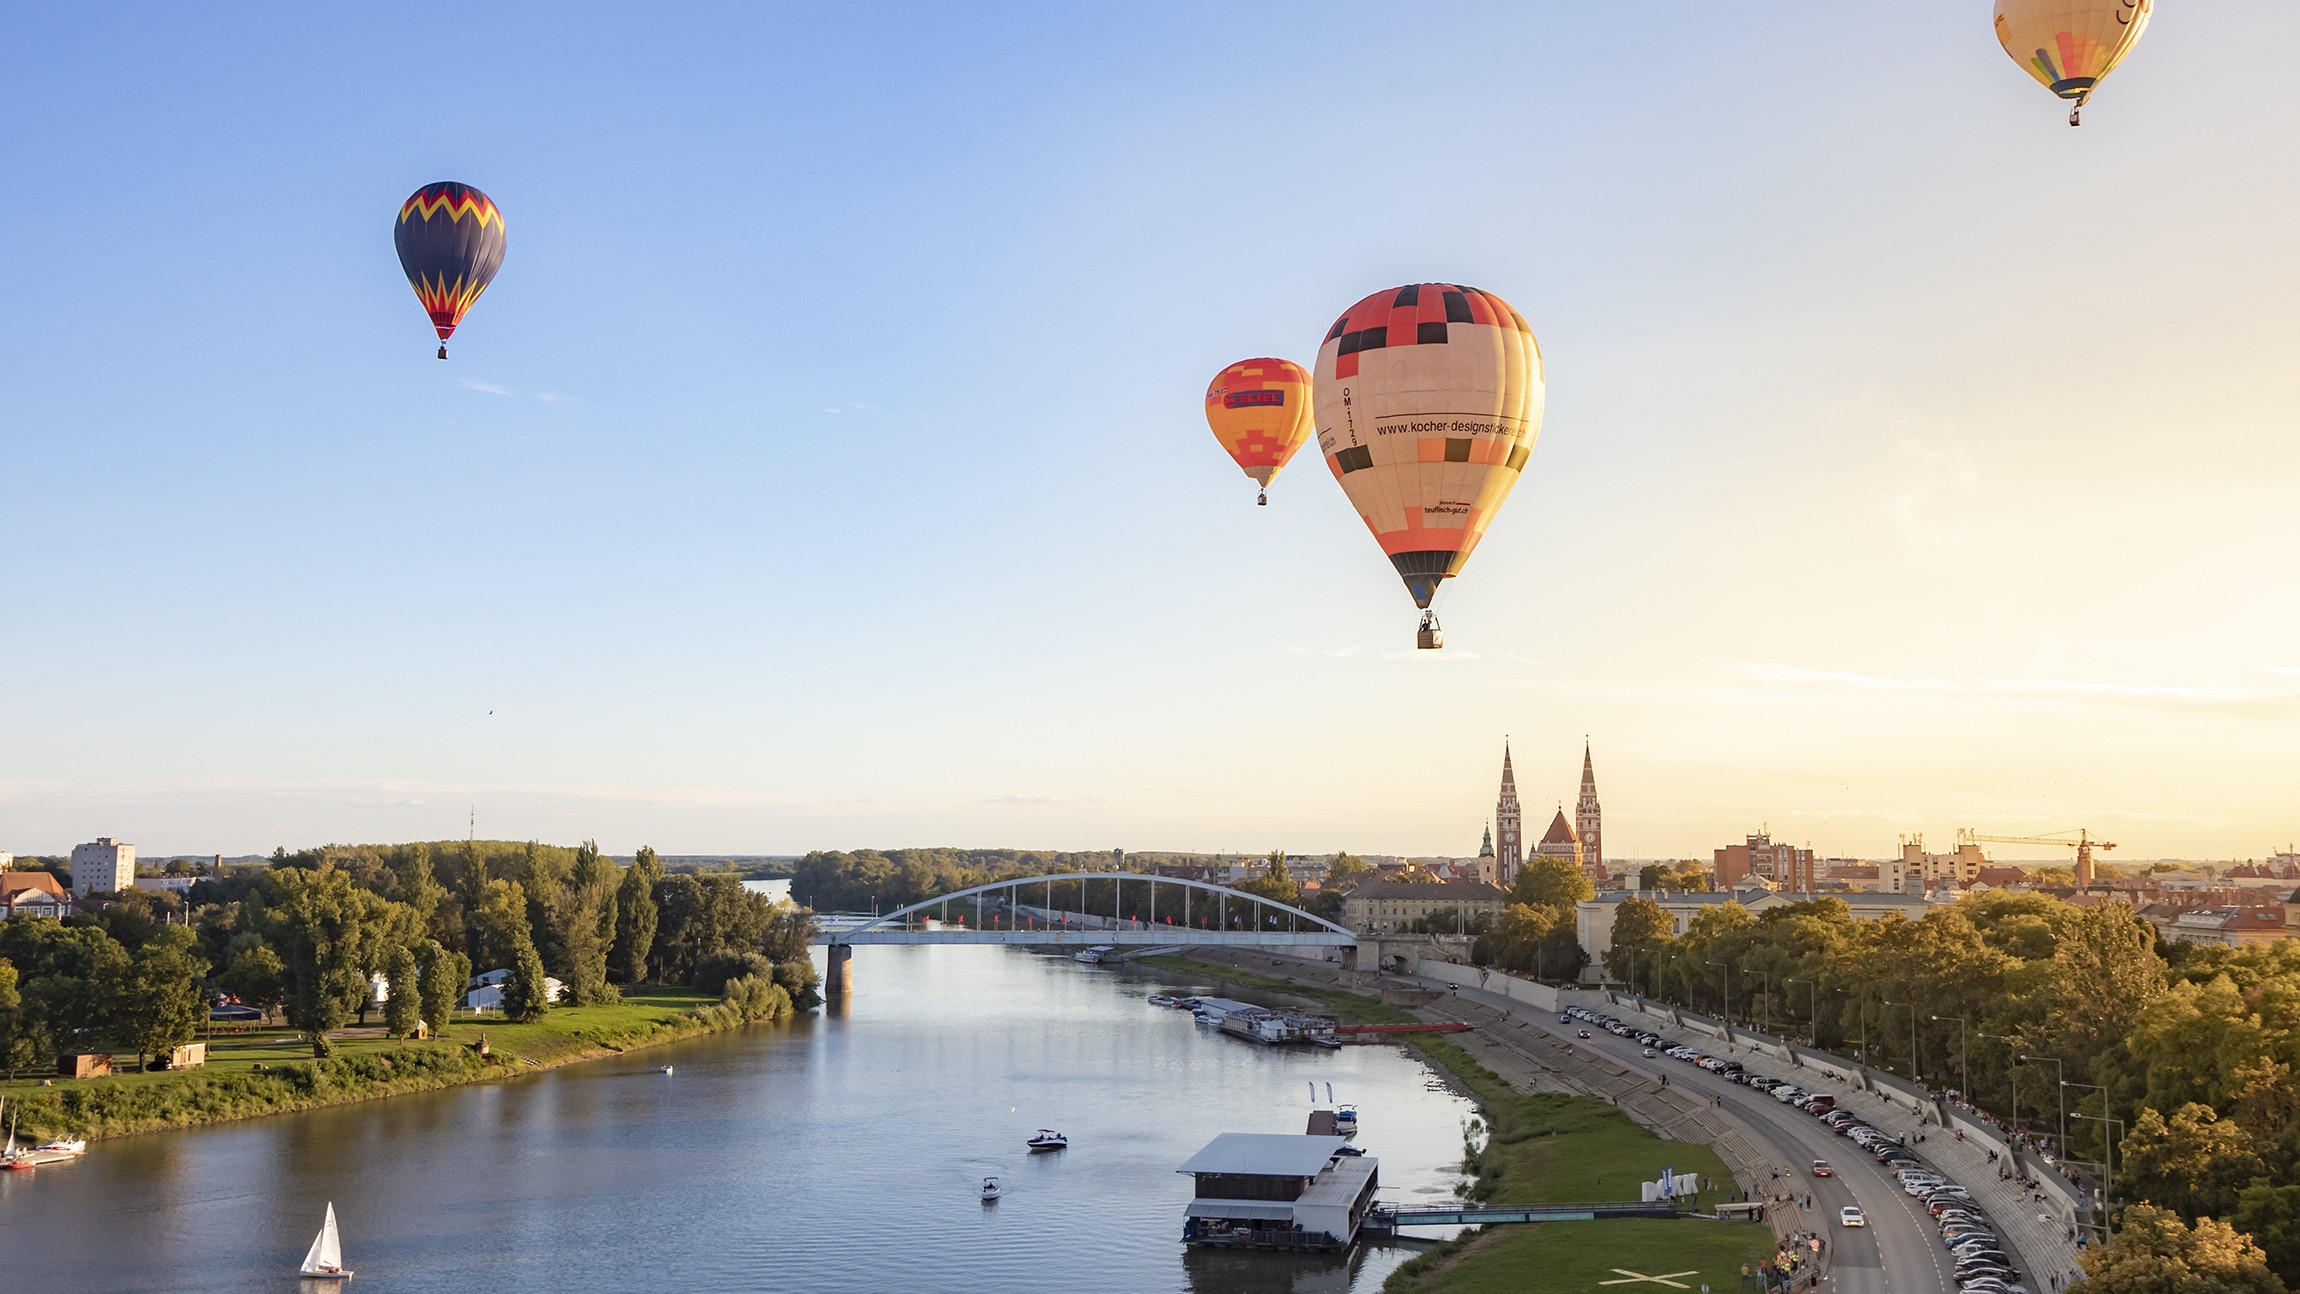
(326, 1248)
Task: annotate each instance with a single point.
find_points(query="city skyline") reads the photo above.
(1912, 461)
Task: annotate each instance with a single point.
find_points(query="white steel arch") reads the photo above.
(1302, 928)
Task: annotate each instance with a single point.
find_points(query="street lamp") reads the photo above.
(1727, 1013)
(2108, 1154)
(1912, 1041)
(1766, 1002)
(1814, 985)
(2012, 1075)
(1863, 1054)
(2060, 1068)
(1964, 1062)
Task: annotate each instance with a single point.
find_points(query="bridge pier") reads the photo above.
(838, 982)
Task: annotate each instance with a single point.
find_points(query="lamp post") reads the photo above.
(2108, 1155)
(2060, 1068)
(1814, 985)
(1766, 1002)
(2012, 1075)
(1912, 1039)
(1727, 1013)
(1863, 1054)
(1964, 1062)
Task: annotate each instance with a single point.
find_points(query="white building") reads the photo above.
(162, 884)
(487, 991)
(103, 867)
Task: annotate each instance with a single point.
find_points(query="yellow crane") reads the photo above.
(2084, 844)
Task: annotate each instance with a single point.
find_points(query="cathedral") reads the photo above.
(1582, 839)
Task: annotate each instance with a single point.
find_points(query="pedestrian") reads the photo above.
(1744, 1273)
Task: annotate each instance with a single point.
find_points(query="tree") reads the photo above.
(256, 978)
(635, 919)
(403, 1007)
(156, 999)
(1341, 867)
(586, 918)
(330, 935)
(2194, 1163)
(2271, 1216)
(2156, 1253)
(527, 990)
(441, 975)
(1275, 883)
(1552, 883)
(11, 1008)
(1640, 926)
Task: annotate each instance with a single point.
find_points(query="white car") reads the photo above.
(1851, 1216)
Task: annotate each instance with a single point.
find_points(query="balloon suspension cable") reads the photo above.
(443, 350)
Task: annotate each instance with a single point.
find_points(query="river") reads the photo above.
(842, 1152)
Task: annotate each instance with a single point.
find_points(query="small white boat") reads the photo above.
(1346, 1120)
(1048, 1139)
(64, 1146)
(325, 1261)
(664, 1069)
(1096, 955)
(990, 1190)
(1160, 999)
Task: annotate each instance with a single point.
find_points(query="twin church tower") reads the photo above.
(1582, 840)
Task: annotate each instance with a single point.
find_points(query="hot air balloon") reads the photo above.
(1260, 411)
(1428, 402)
(450, 239)
(2070, 46)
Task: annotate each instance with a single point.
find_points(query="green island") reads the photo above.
(1541, 1148)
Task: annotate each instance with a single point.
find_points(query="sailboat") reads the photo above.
(325, 1261)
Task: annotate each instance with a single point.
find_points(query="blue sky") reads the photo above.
(825, 467)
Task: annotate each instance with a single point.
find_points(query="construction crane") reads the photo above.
(2084, 844)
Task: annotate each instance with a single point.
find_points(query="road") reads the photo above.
(1899, 1252)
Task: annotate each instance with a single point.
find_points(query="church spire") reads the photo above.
(1510, 853)
(1589, 817)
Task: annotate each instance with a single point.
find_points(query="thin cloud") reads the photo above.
(553, 397)
(484, 388)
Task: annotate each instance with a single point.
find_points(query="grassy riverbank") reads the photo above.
(1544, 1148)
(272, 1071)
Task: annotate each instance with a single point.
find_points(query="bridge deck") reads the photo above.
(1153, 937)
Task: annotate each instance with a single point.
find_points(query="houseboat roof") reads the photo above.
(1339, 1185)
(1264, 1154)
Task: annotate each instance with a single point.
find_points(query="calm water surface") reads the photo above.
(838, 1153)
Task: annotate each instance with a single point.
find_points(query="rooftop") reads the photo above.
(1264, 1154)
(1471, 890)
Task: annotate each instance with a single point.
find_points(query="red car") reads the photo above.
(1821, 1168)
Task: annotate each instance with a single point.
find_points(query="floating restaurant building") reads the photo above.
(1269, 1191)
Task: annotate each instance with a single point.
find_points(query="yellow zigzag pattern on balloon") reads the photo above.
(456, 297)
(470, 204)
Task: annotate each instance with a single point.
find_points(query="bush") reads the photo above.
(713, 972)
(756, 997)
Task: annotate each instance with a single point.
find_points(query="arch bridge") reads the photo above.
(1144, 911)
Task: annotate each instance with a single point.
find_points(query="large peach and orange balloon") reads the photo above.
(1428, 402)
(1260, 411)
(2070, 46)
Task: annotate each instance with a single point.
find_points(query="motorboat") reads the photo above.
(63, 1146)
(325, 1260)
(1096, 955)
(1346, 1120)
(990, 1190)
(1048, 1139)
(665, 1069)
(1160, 999)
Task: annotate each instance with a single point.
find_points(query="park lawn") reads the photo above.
(1578, 1257)
(646, 1014)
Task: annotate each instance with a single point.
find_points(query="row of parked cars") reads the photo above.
(1981, 1263)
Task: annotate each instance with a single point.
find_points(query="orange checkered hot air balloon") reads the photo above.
(450, 240)
(1428, 401)
(1260, 411)
(2070, 46)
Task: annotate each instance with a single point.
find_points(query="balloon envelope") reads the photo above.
(1428, 402)
(450, 239)
(2070, 45)
(1260, 411)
